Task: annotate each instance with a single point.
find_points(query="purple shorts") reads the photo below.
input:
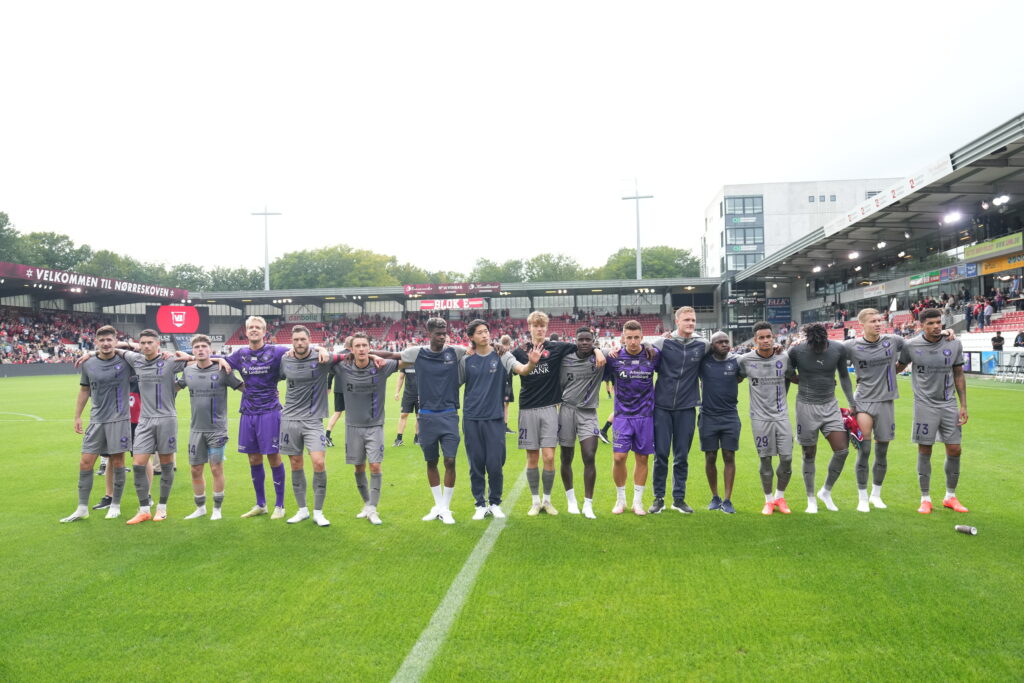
(260, 433)
(633, 434)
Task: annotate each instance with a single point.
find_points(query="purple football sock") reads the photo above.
(259, 476)
(277, 472)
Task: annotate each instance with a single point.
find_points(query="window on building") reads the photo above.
(741, 261)
(720, 209)
(821, 198)
(831, 197)
(738, 206)
(810, 198)
(745, 236)
(871, 193)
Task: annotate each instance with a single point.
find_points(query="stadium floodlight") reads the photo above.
(880, 245)
(857, 269)
(984, 206)
(901, 254)
(952, 217)
(775, 285)
(816, 269)
(853, 255)
(1001, 199)
(906, 235)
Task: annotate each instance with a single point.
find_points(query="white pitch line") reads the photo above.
(34, 417)
(417, 662)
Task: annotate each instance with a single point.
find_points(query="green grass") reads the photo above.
(887, 595)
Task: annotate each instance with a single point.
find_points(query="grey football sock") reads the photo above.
(765, 470)
(952, 472)
(863, 456)
(533, 479)
(166, 482)
(375, 480)
(835, 467)
(141, 484)
(809, 471)
(364, 491)
(319, 489)
(548, 477)
(200, 500)
(924, 472)
(118, 486)
(299, 487)
(85, 478)
(218, 500)
(881, 463)
(784, 471)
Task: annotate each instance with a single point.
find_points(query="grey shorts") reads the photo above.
(104, 438)
(883, 418)
(157, 435)
(439, 434)
(936, 423)
(575, 423)
(812, 418)
(772, 438)
(206, 447)
(299, 435)
(718, 431)
(538, 428)
(364, 444)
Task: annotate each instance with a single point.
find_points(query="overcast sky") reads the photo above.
(442, 132)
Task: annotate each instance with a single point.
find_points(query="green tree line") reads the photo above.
(338, 265)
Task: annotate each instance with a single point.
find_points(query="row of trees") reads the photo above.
(335, 266)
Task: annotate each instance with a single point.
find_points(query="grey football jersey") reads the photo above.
(875, 365)
(156, 383)
(767, 381)
(306, 390)
(581, 381)
(108, 382)
(933, 364)
(208, 394)
(817, 372)
(365, 391)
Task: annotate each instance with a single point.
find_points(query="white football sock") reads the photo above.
(638, 494)
(620, 493)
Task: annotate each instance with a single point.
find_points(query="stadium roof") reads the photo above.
(397, 293)
(987, 167)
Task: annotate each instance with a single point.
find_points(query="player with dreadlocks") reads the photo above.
(817, 361)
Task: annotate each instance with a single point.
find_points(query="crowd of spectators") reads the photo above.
(44, 336)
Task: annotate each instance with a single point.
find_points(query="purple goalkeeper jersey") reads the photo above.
(634, 382)
(261, 371)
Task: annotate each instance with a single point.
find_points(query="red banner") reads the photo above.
(449, 288)
(177, 319)
(450, 304)
(60, 277)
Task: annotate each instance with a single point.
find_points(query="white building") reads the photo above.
(745, 223)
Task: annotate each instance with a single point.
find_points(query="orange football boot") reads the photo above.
(768, 509)
(953, 504)
(780, 503)
(140, 518)
(926, 507)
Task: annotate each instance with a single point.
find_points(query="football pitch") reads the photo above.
(838, 595)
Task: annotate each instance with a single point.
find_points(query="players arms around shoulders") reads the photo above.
(665, 392)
